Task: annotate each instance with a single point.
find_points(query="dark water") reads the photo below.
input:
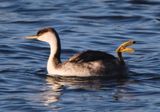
(81, 24)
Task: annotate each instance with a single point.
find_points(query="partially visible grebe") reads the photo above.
(84, 64)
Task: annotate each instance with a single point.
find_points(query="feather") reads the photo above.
(91, 55)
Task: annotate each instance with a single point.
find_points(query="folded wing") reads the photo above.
(91, 55)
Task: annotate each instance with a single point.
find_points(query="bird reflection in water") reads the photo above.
(60, 84)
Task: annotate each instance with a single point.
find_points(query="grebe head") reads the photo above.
(45, 34)
(124, 47)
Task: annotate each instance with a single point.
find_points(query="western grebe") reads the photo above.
(84, 64)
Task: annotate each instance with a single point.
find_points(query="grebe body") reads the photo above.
(84, 64)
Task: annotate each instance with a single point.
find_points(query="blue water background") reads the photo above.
(81, 24)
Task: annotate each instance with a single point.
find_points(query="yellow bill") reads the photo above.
(128, 50)
(123, 47)
(32, 37)
(128, 43)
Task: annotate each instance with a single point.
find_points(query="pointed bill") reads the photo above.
(123, 47)
(128, 50)
(128, 43)
(32, 37)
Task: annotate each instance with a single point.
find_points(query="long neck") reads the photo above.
(55, 50)
(120, 58)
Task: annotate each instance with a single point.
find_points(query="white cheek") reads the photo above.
(42, 38)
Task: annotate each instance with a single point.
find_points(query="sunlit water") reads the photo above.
(81, 24)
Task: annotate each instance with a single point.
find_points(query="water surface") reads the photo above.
(89, 24)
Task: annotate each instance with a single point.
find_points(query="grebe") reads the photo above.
(84, 64)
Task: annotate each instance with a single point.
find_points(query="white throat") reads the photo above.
(55, 49)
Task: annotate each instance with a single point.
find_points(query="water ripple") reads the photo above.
(90, 24)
